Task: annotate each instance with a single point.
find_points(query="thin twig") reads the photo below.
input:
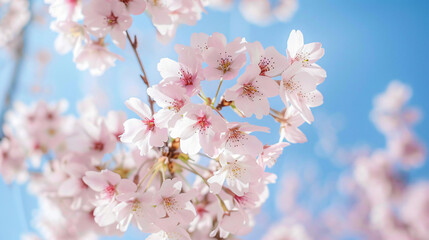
(134, 45)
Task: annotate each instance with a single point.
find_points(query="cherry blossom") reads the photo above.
(236, 172)
(224, 59)
(197, 129)
(103, 17)
(145, 133)
(252, 92)
(95, 57)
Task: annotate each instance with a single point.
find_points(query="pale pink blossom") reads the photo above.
(108, 17)
(289, 124)
(174, 205)
(95, 57)
(238, 140)
(238, 172)
(271, 62)
(198, 128)
(271, 153)
(107, 185)
(299, 88)
(146, 132)
(70, 37)
(224, 59)
(172, 99)
(252, 91)
(186, 73)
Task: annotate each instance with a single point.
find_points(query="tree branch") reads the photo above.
(134, 45)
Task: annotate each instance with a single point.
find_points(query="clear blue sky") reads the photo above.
(367, 43)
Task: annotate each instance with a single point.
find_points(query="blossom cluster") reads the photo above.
(181, 172)
(383, 203)
(83, 26)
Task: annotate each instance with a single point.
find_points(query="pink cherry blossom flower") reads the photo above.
(271, 62)
(271, 153)
(299, 88)
(95, 140)
(145, 133)
(103, 17)
(70, 37)
(186, 73)
(289, 130)
(306, 54)
(173, 204)
(171, 98)
(108, 185)
(199, 42)
(136, 207)
(224, 59)
(238, 172)
(95, 57)
(237, 139)
(197, 129)
(252, 91)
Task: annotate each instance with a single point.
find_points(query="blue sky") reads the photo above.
(367, 44)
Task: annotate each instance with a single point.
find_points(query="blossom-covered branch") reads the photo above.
(107, 173)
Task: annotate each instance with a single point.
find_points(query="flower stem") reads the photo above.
(217, 92)
(144, 76)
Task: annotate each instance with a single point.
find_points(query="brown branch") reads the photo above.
(134, 45)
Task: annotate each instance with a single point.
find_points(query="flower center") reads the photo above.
(112, 19)
(170, 204)
(150, 124)
(203, 122)
(249, 90)
(264, 65)
(186, 77)
(110, 191)
(224, 64)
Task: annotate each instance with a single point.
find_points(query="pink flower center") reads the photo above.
(112, 19)
(225, 64)
(98, 146)
(201, 211)
(186, 77)
(235, 136)
(110, 191)
(303, 58)
(150, 123)
(264, 65)
(170, 204)
(176, 105)
(203, 122)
